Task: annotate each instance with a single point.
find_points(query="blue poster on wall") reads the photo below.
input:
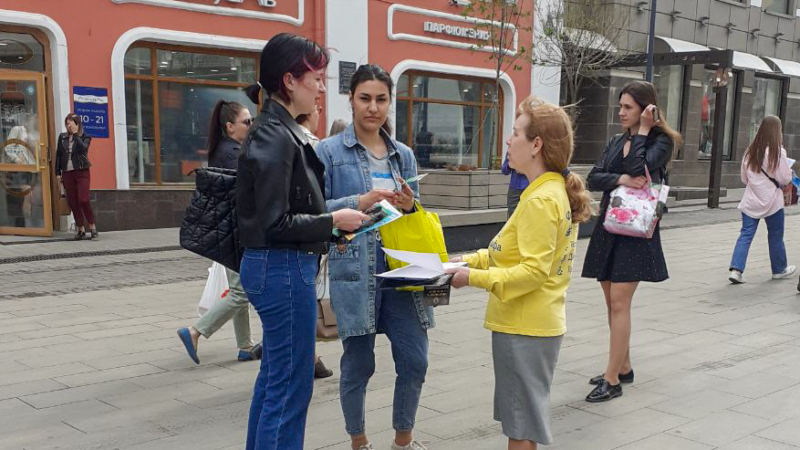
(91, 104)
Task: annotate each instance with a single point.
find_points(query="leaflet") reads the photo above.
(421, 266)
(380, 214)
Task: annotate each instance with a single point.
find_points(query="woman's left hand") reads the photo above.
(460, 277)
(405, 197)
(647, 120)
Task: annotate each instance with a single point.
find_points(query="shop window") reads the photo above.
(21, 52)
(766, 101)
(668, 81)
(449, 121)
(778, 6)
(707, 104)
(169, 95)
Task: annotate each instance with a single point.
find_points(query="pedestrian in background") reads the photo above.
(362, 311)
(284, 227)
(72, 170)
(227, 129)
(619, 262)
(310, 123)
(765, 170)
(516, 186)
(337, 127)
(527, 270)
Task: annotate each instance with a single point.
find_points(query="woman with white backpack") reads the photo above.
(765, 170)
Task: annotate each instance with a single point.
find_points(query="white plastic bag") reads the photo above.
(216, 288)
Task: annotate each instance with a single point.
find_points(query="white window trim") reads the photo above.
(443, 42)
(506, 84)
(58, 56)
(118, 77)
(223, 11)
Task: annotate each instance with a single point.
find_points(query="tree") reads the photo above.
(581, 37)
(500, 23)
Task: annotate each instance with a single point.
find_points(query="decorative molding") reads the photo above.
(226, 11)
(58, 55)
(118, 77)
(444, 42)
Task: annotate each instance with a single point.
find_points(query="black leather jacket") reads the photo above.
(653, 151)
(227, 154)
(279, 197)
(80, 152)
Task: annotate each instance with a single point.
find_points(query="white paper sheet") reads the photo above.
(422, 266)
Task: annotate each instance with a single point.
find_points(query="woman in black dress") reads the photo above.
(619, 262)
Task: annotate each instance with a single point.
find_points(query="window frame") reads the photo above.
(154, 78)
(483, 105)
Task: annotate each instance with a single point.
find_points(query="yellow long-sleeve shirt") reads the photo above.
(527, 267)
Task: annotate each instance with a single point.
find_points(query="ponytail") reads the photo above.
(580, 201)
(224, 112)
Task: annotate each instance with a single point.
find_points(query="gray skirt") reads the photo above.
(523, 373)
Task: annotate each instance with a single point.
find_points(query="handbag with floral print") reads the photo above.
(635, 212)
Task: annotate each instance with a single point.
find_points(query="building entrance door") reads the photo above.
(25, 206)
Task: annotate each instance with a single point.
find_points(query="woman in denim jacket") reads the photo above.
(364, 165)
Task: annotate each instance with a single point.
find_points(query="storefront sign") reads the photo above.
(91, 104)
(455, 30)
(346, 71)
(264, 3)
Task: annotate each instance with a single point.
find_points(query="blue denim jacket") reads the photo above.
(352, 281)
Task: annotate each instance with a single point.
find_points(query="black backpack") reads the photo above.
(209, 227)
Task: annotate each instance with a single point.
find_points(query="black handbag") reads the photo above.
(209, 226)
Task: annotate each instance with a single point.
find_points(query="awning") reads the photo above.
(589, 39)
(790, 68)
(748, 61)
(678, 45)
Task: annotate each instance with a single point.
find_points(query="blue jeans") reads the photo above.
(396, 316)
(280, 285)
(777, 250)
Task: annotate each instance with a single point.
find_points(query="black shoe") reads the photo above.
(80, 235)
(95, 234)
(623, 378)
(256, 351)
(604, 392)
(320, 371)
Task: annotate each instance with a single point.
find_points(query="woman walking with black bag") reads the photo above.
(765, 169)
(284, 227)
(72, 170)
(619, 262)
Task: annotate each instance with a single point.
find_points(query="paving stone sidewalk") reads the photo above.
(717, 365)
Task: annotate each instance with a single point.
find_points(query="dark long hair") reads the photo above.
(644, 93)
(224, 112)
(370, 72)
(286, 53)
(77, 119)
(770, 134)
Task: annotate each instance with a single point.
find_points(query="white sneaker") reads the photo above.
(413, 445)
(366, 447)
(789, 271)
(735, 277)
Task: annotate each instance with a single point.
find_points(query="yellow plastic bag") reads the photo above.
(420, 231)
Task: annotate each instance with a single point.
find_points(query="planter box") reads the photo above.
(476, 189)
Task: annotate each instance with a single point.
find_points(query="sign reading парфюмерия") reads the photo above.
(455, 30)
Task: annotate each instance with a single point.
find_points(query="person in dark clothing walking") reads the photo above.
(72, 170)
(226, 132)
(516, 186)
(619, 262)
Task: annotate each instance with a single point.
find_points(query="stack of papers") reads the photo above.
(421, 266)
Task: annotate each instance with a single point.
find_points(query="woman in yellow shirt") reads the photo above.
(526, 271)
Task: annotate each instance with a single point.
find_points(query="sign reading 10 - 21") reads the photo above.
(91, 105)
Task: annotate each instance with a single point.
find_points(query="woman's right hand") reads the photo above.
(455, 259)
(365, 201)
(632, 182)
(348, 219)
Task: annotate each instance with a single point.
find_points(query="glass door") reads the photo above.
(25, 206)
